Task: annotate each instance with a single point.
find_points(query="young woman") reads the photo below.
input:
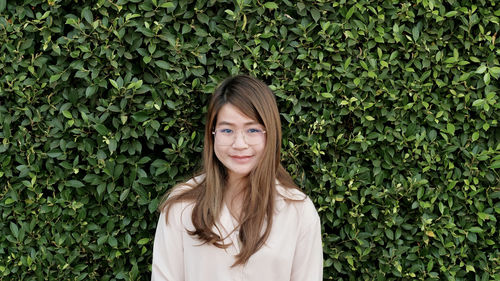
(242, 217)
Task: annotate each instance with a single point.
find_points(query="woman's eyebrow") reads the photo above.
(232, 124)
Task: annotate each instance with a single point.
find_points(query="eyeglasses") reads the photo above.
(251, 136)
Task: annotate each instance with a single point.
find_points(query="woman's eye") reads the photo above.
(253, 130)
(226, 131)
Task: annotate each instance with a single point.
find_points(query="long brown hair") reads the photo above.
(254, 99)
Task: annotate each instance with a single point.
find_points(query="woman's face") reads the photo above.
(239, 141)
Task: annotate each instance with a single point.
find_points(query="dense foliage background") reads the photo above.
(390, 113)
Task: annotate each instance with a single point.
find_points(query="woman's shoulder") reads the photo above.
(296, 199)
(186, 186)
(178, 198)
(289, 193)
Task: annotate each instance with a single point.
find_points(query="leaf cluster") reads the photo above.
(390, 115)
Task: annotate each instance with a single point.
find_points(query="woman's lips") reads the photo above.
(241, 159)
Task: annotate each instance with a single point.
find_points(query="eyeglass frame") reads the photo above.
(234, 138)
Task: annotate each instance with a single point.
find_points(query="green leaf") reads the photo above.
(432, 135)
(124, 194)
(112, 145)
(87, 14)
(3, 4)
(350, 12)
(162, 64)
(416, 32)
(112, 242)
(74, 183)
(270, 5)
(389, 233)
(140, 116)
(101, 129)
(316, 14)
(90, 91)
(203, 18)
(495, 165)
(100, 188)
(143, 241)
(14, 229)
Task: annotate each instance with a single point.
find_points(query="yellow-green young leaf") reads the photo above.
(364, 65)
(481, 69)
(143, 241)
(357, 81)
(476, 229)
(369, 118)
(167, 5)
(450, 128)
(347, 62)
(123, 118)
(67, 114)
(55, 77)
(475, 136)
(271, 5)
(451, 14)
(494, 71)
(483, 216)
(470, 268)
(113, 82)
(486, 78)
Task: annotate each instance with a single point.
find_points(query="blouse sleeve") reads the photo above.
(168, 252)
(308, 258)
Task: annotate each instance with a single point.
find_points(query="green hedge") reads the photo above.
(390, 112)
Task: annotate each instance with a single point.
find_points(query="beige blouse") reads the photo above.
(293, 251)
